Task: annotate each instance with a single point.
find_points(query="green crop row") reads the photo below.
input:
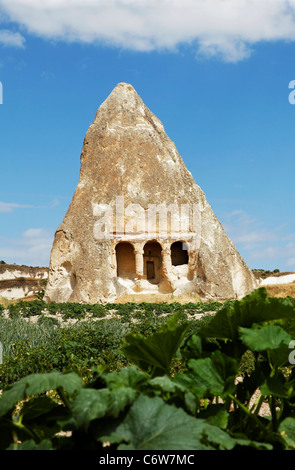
(79, 311)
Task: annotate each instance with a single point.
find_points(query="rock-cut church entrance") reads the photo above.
(152, 256)
(125, 260)
(140, 264)
(150, 270)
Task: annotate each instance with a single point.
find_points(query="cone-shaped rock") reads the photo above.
(139, 226)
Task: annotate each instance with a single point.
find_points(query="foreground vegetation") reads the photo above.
(37, 337)
(173, 382)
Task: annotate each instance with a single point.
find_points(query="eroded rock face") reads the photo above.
(138, 223)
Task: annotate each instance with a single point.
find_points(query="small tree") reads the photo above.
(40, 294)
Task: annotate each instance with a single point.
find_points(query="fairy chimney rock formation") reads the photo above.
(138, 224)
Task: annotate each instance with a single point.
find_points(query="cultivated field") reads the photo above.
(146, 376)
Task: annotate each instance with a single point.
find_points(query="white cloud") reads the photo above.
(270, 247)
(32, 248)
(33, 233)
(226, 28)
(9, 38)
(11, 206)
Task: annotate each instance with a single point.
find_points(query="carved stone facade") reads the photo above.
(153, 265)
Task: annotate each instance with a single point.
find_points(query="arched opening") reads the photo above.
(179, 253)
(125, 257)
(152, 255)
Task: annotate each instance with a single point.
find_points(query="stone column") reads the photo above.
(113, 259)
(166, 260)
(192, 264)
(167, 283)
(139, 263)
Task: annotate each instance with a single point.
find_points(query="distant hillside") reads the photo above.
(277, 284)
(21, 282)
(263, 274)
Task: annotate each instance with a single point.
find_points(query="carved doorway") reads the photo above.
(125, 257)
(152, 261)
(150, 270)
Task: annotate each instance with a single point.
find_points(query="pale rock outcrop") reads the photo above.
(112, 243)
(19, 282)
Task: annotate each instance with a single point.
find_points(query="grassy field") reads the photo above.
(281, 290)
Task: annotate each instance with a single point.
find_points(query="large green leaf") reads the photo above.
(170, 390)
(261, 338)
(120, 399)
(38, 383)
(213, 375)
(257, 307)
(271, 338)
(151, 424)
(287, 431)
(155, 352)
(126, 377)
(91, 404)
(193, 347)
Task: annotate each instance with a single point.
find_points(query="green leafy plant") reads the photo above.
(154, 354)
(206, 405)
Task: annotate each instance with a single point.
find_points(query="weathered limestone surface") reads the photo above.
(128, 157)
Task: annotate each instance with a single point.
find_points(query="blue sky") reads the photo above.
(217, 79)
